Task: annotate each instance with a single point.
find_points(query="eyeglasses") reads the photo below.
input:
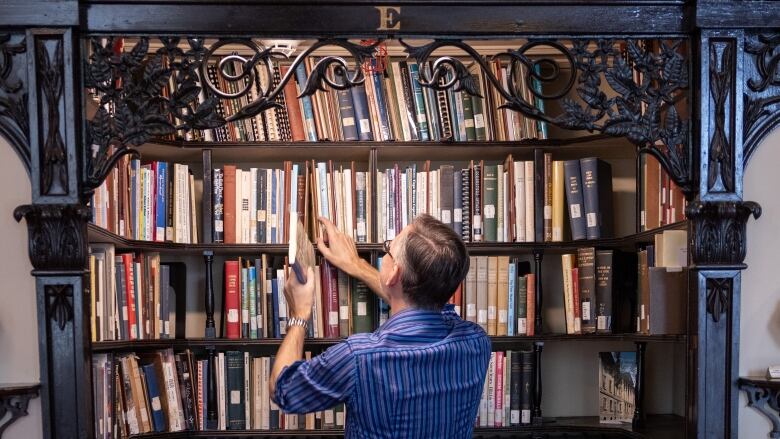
(386, 247)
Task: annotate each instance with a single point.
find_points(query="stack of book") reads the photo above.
(661, 201)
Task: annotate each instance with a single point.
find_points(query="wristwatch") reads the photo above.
(295, 321)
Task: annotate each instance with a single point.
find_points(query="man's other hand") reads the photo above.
(338, 248)
(300, 297)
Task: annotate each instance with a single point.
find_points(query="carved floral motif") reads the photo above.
(56, 234)
(13, 99)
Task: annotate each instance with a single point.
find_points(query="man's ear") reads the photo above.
(395, 276)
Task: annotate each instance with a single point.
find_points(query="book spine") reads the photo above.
(457, 202)
(468, 117)
(586, 274)
(522, 306)
(419, 101)
(362, 116)
(498, 418)
(229, 188)
(527, 380)
(490, 200)
(361, 304)
(121, 293)
(547, 187)
(515, 368)
(346, 112)
(232, 300)
(446, 191)
(573, 183)
(262, 200)
(308, 110)
(512, 295)
(482, 291)
(361, 196)
(476, 203)
(186, 390)
(160, 178)
(219, 206)
(558, 201)
(465, 197)
(407, 94)
(342, 281)
(385, 133)
(235, 391)
(153, 393)
(132, 324)
(604, 260)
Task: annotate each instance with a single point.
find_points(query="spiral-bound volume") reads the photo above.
(465, 195)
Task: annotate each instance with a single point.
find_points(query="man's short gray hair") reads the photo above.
(434, 261)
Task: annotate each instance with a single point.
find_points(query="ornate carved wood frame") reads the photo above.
(728, 74)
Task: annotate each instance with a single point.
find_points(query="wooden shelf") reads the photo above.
(568, 148)
(99, 235)
(656, 427)
(499, 342)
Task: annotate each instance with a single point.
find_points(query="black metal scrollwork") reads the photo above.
(644, 111)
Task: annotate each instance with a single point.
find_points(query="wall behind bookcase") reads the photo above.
(760, 308)
(18, 322)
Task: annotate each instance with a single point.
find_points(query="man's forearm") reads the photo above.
(290, 351)
(369, 276)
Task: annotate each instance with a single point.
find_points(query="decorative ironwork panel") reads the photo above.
(648, 81)
(14, 124)
(762, 94)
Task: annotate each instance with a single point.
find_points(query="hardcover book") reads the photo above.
(617, 387)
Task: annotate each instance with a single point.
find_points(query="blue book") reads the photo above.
(346, 111)
(275, 308)
(574, 198)
(308, 110)
(381, 103)
(510, 327)
(252, 275)
(362, 118)
(153, 392)
(160, 220)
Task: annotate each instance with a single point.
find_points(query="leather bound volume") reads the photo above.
(586, 277)
(232, 300)
(346, 112)
(597, 197)
(573, 184)
(604, 260)
(362, 116)
(489, 202)
(230, 203)
(297, 130)
(235, 390)
(330, 299)
(531, 293)
(527, 380)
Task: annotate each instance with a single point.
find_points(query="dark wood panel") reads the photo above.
(357, 20)
(39, 13)
(737, 14)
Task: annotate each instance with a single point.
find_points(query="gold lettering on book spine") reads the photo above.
(389, 17)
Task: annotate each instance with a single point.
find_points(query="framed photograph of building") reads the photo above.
(617, 386)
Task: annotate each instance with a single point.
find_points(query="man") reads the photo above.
(420, 375)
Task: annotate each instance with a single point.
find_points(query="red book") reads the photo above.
(127, 261)
(575, 293)
(229, 207)
(457, 298)
(293, 108)
(499, 388)
(330, 299)
(531, 311)
(232, 300)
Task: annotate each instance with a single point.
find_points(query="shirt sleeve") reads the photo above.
(318, 384)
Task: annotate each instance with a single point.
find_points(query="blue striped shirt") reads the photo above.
(420, 375)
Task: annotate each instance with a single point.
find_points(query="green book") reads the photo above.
(479, 111)
(236, 419)
(489, 201)
(362, 309)
(468, 116)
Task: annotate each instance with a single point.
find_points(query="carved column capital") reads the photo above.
(719, 228)
(57, 235)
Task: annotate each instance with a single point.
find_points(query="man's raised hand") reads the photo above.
(338, 248)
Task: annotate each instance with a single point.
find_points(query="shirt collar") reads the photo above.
(417, 319)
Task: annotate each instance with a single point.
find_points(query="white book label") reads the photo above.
(471, 310)
(457, 215)
(446, 216)
(344, 312)
(348, 121)
(502, 316)
(362, 309)
(547, 212)
(601, 322)
(482, 316)
(219, 225)
(365, 126)
(233, 315)
(490, 211)
(156, 406)
(576, 210)
(333, 318)
(586, 311)
(491, 312)
(479, 121)
(235, 397)
(522, 328)
(525, 417)
(591, 218)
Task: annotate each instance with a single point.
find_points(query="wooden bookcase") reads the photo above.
(732, 101)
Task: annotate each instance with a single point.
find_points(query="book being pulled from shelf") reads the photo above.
(255, 305)
(163, 391)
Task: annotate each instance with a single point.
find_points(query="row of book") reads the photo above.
(661, 201)
(153, 201)
(388, 105)
(256, 205)
(163, 391)
(132, 297)
(508, 392)
(512, 201)
(255, 304)
(610, 291)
